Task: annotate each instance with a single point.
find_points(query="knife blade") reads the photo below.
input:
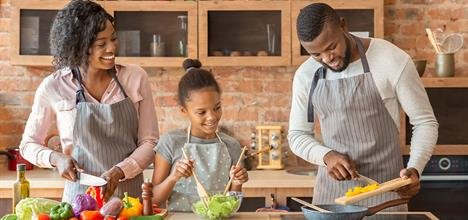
(366, 179)
(90, 180)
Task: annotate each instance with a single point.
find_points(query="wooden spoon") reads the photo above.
(228, 185)
(431, 37)
(204, 196)
(309, 205)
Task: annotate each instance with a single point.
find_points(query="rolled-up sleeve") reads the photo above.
(40, 119)
(148, 132)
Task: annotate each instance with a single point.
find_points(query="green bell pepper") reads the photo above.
(63, 211)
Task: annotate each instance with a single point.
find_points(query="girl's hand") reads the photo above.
(183, 168)
(66, 165)
(238, 175)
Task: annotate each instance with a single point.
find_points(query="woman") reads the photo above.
(104, 112)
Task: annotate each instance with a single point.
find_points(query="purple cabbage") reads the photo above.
(83, 202)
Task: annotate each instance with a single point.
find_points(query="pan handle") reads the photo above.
(374, 209)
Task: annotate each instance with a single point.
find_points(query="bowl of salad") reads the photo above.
(217, 206)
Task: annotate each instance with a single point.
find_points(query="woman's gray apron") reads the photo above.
(103, 136)
(354, 121)
(212, 166)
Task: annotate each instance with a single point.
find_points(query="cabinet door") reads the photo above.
(243, 33)
(155, 33)
(255, 198)
(363, 18)
(30, 28)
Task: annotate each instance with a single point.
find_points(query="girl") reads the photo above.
(212, 154)
(105, 112)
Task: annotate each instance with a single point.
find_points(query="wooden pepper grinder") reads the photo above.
(147, 195)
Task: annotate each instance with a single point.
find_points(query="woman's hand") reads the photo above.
(412, 189)
(112, 176)
(238, 175)
(66, 165)
(340, 166)
(183, 168)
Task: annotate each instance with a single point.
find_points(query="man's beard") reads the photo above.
(346, 59)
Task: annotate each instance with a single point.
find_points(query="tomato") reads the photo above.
(91, 215)
(43, 217)
(73, 218)
(109, 218)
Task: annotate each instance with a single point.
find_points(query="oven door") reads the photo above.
(446, 196)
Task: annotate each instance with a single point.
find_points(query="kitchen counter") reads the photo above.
(299, 216)
(48, 183)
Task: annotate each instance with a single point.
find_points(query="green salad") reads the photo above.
(219, 207)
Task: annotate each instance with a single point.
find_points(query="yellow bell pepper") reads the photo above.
(131, 207)
(358, 189)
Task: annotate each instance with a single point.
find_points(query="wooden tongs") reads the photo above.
(202, 193)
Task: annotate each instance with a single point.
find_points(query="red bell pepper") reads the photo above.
(95, 192)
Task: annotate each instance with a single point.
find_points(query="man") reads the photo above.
(354, 87)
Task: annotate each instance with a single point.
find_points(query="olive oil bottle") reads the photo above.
(21, 186)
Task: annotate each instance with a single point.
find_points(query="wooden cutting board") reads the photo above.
(383, 187)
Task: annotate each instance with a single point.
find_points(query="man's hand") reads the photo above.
(340, 166)
(66, 165)
(112, 176)
(412, 189)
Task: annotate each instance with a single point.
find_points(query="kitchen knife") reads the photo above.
(366, 179)
(90, 180)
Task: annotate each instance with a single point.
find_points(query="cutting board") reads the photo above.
(383, 187)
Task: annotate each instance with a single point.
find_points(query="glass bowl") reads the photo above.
(218, 206)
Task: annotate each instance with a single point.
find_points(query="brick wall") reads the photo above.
(252, 95)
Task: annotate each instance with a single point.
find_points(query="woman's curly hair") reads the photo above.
(74, 30)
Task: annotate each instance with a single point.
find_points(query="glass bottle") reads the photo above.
(21, 186)
(181, 38)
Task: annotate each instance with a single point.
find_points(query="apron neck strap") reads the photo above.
(189, 130)
(362, 54)
(80, 96)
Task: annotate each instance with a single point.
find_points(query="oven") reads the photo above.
(444, 188)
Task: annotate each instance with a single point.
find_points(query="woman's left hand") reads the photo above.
(112, 176)
(412, 189)
(239, 175)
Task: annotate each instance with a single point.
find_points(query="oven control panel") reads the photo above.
(450, 164)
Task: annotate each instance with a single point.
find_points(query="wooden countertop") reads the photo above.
(275, 215)
(48, 183)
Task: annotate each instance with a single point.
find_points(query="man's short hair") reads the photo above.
(312, 19)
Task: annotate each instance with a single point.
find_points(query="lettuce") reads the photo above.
(29, 208)
(219, 207)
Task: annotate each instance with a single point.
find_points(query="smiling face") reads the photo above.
(203, 109)
(102, 51)
(331, 48)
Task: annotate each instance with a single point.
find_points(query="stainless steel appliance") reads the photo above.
(444, 187)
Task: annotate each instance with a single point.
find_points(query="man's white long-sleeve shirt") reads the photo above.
(398, 84)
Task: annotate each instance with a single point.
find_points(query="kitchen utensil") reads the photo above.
(451, 43)
(90, 180)
(384, 187)
(14, 158)
(348, 212)
(309, 205)
(204, 196)
(259, 152)
(420, 66)
(431, 37)
(445, 65)
(367, 179)
(237, 164)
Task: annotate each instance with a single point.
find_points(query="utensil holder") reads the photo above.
(445, 65)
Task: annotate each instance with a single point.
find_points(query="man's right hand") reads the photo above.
(340, 166)
(66, 165)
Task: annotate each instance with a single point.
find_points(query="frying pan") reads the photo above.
(348, 212)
